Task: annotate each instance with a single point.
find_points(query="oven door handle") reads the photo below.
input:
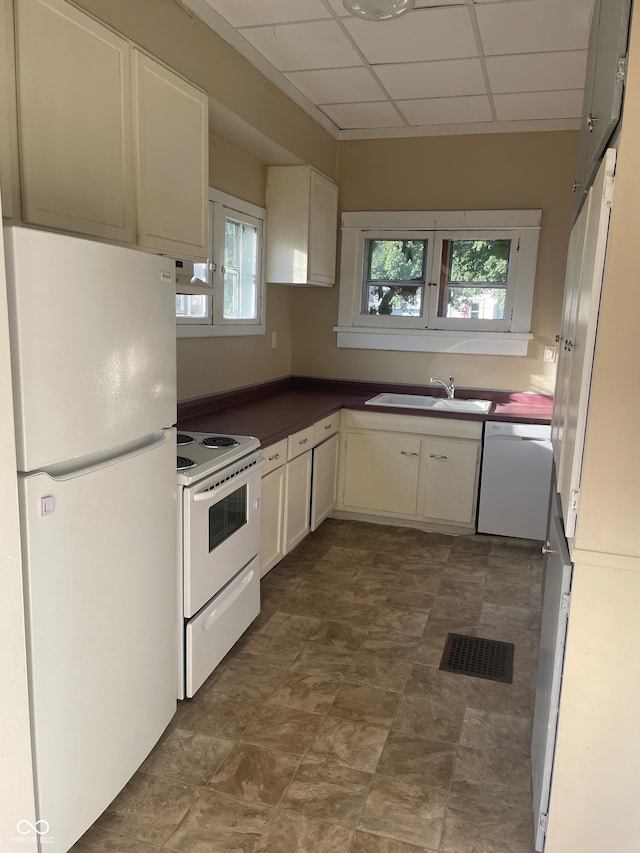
(215, 493)
(217, 612)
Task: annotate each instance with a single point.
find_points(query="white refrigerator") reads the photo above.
(92, 334)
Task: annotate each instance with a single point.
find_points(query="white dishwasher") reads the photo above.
(515, 480)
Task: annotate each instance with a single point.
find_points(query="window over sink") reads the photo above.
(437, 281)
(225, 295)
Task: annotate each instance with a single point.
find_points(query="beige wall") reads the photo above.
(209, 365)
(235, 172)
(527, 170)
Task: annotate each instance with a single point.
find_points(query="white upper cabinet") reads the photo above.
(74, 107)
(172, 167)
(112, 143)
(302, 226)
(604, 87)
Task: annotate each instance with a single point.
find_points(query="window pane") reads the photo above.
(240, 267)
(191, 305)
(396, 260)
(401, 301)
(483, 265)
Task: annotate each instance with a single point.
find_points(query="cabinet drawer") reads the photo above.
(274, 456)
(299, 442)
(326, 427)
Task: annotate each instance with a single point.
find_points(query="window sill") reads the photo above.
(430, 340)
(189, 330)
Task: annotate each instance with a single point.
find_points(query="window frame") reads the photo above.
(429, 333)
(381, 320)
(216, 325)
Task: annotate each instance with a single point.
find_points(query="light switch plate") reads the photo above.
(550, 354)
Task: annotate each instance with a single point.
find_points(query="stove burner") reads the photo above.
(183, 463)
(218, 441)
(183, 438)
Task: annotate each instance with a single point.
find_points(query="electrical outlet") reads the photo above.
(550, 354)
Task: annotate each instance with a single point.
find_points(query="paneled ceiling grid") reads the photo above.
(448, 66)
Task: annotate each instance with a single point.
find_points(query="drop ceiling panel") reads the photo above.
(433, 111)
(433, 79)
(537, 72)
(294, 47)
(337, 86)
(530, 26)
(251, 13)
(421, 34)
(538, 105)
(351, 116)
(466, 66)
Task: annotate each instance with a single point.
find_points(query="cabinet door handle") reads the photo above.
(409, 453)
(274, 457)
(303, 441)
(437, 456)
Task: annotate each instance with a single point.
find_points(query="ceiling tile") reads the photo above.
(432, 79)
(337, 86)
(251, 13)
(534, 25)
(295, 47)
(538, 105)
(416, 37)
(537, 72)
(351, 116)
(446, 110)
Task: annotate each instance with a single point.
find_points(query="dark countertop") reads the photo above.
(275, 410)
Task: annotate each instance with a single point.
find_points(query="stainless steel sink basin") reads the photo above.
(439, 404)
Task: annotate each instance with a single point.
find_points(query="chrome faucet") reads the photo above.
(450, 388)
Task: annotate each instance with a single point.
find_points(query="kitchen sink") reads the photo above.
(439, 404)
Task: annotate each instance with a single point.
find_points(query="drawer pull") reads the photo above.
(409, 453)
(328, 426)
(274, 457)
(437, 456)
(303, 441)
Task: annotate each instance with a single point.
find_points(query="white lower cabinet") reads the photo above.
(298, 488)
(271, 519)
(297, 495)
(422, 470)
(450, 486)
(381, 472)
(323, 484)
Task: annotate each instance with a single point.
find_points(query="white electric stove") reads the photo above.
(219, 481)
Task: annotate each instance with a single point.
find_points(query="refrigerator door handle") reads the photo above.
(121, 454)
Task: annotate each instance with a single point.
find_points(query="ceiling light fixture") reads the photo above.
(378, 10)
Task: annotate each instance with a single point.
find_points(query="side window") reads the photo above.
(225, 296)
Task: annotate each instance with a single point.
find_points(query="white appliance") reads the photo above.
(515, 480)
(92, 334)
(219, 484)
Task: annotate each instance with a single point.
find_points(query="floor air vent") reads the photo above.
(476, 656)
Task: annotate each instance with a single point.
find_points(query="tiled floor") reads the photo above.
(329, 727)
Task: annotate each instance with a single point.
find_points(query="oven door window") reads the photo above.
(227, 516)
